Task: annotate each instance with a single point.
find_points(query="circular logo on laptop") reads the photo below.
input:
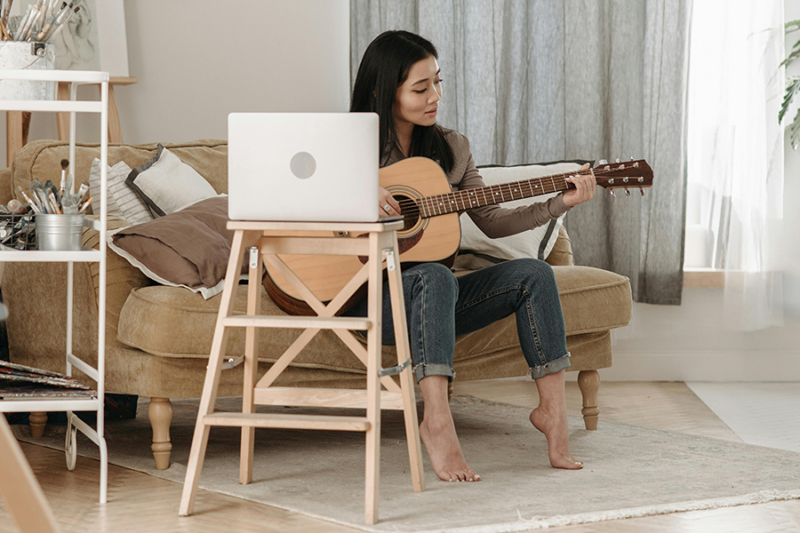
(303, 165)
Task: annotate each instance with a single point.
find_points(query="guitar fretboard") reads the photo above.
(441, 204)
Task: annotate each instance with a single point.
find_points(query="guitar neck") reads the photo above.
(457, 201)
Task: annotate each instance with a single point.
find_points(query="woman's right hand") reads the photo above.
(388, 205)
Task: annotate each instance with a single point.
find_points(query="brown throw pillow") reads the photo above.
(188, 248)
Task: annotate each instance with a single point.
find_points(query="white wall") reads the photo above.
(198, 60)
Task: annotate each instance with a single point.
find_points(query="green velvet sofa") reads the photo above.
(158, 338)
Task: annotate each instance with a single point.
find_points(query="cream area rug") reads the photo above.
(630, 471)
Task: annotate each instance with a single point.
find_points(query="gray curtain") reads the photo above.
(544, 80)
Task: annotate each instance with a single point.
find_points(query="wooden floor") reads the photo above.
(139, 502)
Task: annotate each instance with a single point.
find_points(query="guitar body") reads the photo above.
(432, 239)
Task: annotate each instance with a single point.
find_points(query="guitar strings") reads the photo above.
(414, 206)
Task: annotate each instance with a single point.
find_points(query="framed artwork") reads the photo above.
(94, 39)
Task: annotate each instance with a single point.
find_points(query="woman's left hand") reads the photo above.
(584, 188)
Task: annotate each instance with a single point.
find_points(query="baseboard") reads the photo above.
(702, 366)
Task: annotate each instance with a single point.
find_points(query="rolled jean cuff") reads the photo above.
(551, 367)
(423, 370)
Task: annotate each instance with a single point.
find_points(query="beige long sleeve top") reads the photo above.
(495, 221)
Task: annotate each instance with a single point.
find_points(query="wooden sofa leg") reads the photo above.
(160, 414)
(589, 383)
(37, 421)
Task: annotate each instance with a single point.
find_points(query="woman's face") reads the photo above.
(417, 100)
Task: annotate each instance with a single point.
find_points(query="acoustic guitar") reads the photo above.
(431, 230)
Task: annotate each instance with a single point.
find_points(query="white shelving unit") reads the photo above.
(73, 106)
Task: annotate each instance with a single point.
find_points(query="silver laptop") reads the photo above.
(314, 167)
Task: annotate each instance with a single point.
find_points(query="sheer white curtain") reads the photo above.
(735, 151)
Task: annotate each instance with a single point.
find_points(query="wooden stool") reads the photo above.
(18, 485)
(18, 122)
(265, 240)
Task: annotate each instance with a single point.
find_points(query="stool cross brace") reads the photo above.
(266, 240)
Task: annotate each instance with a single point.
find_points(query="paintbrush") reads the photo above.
(85, 205)
(82, 190)
(64, 165)
(61, 25)
(7, 11)
(52, 17)
(34, 205)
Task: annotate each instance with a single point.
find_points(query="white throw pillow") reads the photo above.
(167, 184)
(122, 201)
(478, 250)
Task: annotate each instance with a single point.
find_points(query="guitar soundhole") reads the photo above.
(409, 210)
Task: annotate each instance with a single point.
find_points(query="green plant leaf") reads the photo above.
(792, 86)
(792, 56)
(794, 131)
(792, 26)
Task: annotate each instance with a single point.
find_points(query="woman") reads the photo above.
(399, 79)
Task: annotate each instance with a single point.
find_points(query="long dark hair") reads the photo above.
(383, 69)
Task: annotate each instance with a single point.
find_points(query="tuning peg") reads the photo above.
(602, 162)
(613, 193)
(627, 192)
(641, 191)
(631, 158)
(617, 160)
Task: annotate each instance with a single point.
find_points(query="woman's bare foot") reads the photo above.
(438, 433)
(555, 428)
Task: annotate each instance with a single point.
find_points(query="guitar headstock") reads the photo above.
(624, 175)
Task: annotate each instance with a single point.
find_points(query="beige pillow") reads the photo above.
(167, 184)
(477, 250)
(122, 201)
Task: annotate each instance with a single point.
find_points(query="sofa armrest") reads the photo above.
(36, 297)
(121, 276)
(6, 188)
(561, 254)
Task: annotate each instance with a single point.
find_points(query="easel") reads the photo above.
(265, 240)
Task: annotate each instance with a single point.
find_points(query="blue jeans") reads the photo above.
(441, 306)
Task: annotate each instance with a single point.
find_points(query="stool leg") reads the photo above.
(62, 119)
(209, 397)
(114, 126)
(407, 375)
(250, 372)
(15, 134)
(375, 291)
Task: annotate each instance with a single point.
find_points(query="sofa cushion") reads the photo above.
(173, 322)
(188, 248)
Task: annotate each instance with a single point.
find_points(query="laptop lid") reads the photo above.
(314, 167)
